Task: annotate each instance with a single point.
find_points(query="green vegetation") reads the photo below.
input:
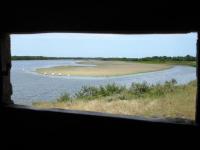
(136, 90)
(161, 100)
(91, 92)
(64, 98)
(176, 60)
(173, 62)
(180, 60)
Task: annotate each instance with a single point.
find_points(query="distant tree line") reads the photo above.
(35, 58)
(175, 58)
(166, 58)
(154, 58)
(47, 58)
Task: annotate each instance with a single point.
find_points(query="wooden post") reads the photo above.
(5, 66)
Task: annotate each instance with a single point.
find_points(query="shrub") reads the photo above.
(121, 92)
(169, 86)
(92, 92)
(125, 96)
(103, 91)
(161, 90)
(174, 81)
(157, 90)
(139, 89)
(64, 98)
(87, 92)
(111, 89)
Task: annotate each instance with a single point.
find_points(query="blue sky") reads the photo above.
(103, 45)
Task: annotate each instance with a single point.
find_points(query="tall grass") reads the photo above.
(167, 100)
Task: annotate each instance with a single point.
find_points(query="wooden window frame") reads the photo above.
(6, 91)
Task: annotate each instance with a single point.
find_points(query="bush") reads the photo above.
(157, 90)
(64, 98)
(103, 91)
(111, 89)
(143, 89)
(161, 90)
(87, 92)
(96, 92)
(121, 92)
(139, 89)
(169, 86)
(174, 81)
(125, 96)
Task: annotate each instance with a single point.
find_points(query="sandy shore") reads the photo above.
(102, 68)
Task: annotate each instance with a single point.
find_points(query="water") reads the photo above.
(28, 86)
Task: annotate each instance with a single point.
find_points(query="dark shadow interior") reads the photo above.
(33, 126)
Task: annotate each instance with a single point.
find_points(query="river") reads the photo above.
(28, 86)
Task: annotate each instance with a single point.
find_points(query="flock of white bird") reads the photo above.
(59, 74)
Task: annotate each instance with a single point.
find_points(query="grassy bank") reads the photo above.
(103, 68)
(166, 100)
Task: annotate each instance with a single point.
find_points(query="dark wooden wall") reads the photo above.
(137, 17)
(22, 126)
